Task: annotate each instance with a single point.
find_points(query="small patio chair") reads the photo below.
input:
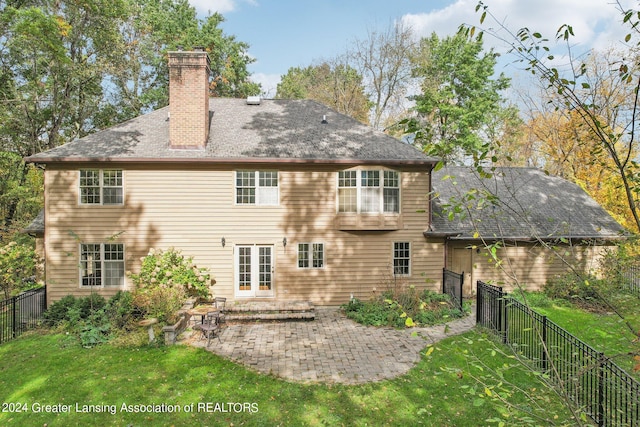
(219, 303)
(210, 327)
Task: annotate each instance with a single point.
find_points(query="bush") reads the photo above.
(585, 292)
(121, 311)
(171, 268)
(160, 301)
(92, 319)
(402, 309)
(58, 312)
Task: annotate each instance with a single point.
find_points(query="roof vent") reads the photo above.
(324, 120)
(253, 100)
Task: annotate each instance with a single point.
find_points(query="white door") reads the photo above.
(254, 270)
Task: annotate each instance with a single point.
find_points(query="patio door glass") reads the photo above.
(254, 270)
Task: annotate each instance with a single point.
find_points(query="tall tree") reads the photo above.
(334, 84)
(458, 96)
(383, 58)
(53, 57)
(562, 145)
(53, 64)
(155, 27)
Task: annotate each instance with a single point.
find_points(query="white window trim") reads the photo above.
(101, 187)
(359, 188)
(102, 267)
(257, 188)
(311, 257)
(393, 259)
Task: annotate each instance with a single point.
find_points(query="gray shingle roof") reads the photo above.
(519, 204)
(37, 225)
(275, 130)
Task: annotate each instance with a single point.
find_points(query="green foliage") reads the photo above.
(17, 262)
(85, 317)
(165, 280)
(157, 27)
(21, 188)
(408, 308)
(338, 86)
(586, 292)
(619, 260)
(159, 301)
(121, 311)
(458, 97)
(93, 319)
(171, 269)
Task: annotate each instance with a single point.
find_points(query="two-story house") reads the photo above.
(280, 199)
(289, 200)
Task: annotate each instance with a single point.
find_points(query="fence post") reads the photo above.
(461, 286)
(600, 405)
(545, 360)
(13, 315)
(502, 317)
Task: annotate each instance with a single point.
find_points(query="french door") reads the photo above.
(254, 270)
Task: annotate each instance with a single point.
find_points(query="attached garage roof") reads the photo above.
(515, 204)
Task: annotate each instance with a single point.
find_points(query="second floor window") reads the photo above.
(369, 191)
(257, 188)
(101, 187)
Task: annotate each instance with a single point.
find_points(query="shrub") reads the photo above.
(121, 311)
(371, 313)
(159, 301)
(402, 309)
(92, 319)
(585, 292)
(171, 268)
(17, 261)
(58, 312)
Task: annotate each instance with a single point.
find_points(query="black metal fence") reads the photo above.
(595, 384)
(452, 286)
(631, 277)
(19, 313)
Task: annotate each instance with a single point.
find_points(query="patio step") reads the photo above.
(269, 311)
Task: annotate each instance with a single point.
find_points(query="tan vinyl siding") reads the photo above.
(193, 209)
(528, 265)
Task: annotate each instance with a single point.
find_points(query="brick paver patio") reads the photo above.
(331, 348)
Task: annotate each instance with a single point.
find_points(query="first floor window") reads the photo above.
(101, 187)
(401, 258)
(310, 255)
(102, 264)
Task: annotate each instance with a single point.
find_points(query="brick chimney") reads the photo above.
(189, 99)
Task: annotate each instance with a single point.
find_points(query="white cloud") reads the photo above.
(206, 6)
(269, 83)
(595, 23)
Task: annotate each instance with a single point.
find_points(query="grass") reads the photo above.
(606, 332)
(461, 381)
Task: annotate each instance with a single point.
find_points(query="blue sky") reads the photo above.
(290, 33)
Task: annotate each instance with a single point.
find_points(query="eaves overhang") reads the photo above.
(232, 160)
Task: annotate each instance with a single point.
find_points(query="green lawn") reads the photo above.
(606, 332)
(462, 381)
